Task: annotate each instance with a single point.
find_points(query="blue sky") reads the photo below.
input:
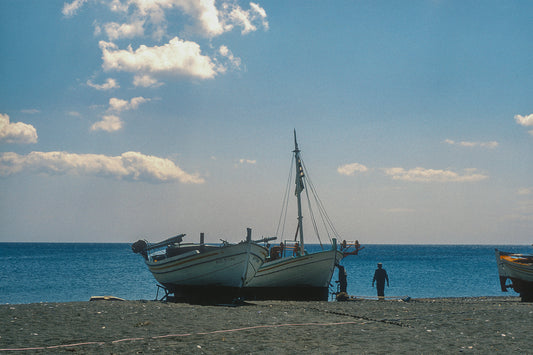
(122, 119)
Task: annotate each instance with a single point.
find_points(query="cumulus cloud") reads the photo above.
(433, 175)
(176, 58)
(490, 145)
(205, 17)
(235, 62)
(259, 13)
(116, 31)
(524, 120)
(119, 105)
(246, 19)
(109, 123)
(128, 166)
(70, 9)
(146, 81)
(112, 122)
(16, 132)
(108, 85)
(179, 57)
(207, 20)
(351, 169)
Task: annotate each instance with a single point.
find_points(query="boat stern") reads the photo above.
(501, 271)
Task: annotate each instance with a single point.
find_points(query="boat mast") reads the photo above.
(299, 188)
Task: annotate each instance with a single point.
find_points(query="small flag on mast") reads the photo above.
(299, 176)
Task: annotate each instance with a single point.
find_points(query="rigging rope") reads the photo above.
(310, 190)
(326, 220)
(285, 203)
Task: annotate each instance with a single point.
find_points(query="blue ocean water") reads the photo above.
(420, 271)
(63, 272)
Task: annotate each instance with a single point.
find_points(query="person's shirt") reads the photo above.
(381, 275)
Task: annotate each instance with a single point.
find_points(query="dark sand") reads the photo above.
(422, 326)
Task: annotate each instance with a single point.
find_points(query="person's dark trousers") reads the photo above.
(381, 290)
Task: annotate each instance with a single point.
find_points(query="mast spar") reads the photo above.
(299, 188)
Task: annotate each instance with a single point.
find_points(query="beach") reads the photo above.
(422, 326)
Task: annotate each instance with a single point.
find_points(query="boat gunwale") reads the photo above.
(515, 259)
(295, 259)
(192, 259)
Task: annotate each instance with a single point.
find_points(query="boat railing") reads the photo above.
(350, 248)
(264, 240)
(173, 240)
(291, 247)
(184, 245)
(178, 251)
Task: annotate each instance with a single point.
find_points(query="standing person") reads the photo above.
(343, 282)
(380, 275)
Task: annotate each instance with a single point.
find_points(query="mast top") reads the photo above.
(296, 150)
(299, 188)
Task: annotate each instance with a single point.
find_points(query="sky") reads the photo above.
(130, 119)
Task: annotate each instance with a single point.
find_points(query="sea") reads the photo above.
(66, 272)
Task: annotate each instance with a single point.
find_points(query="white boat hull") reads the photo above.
(311, 270)
(229, 266)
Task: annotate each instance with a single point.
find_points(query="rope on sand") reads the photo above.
(180, 335)
(55, 346)
(386, 321)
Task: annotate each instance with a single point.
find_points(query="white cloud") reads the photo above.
(146, 81)
(179, 57)
(524, 120)
(119, 105)
(16, 132)
(207, 19)
(490, 145)
(116, 31)
(30, 111)
(176, 58)
(112, 123)
(246, 19)
(259, 13)
(234, 61)
(72, 8)
(247, 161)
(109, 123)
(205, 15)
(108, 85)
(129, 166)
(432, 175)
(350, 169)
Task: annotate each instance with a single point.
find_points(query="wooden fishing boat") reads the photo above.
(200, 270)
(291, 272)
(518, 268)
